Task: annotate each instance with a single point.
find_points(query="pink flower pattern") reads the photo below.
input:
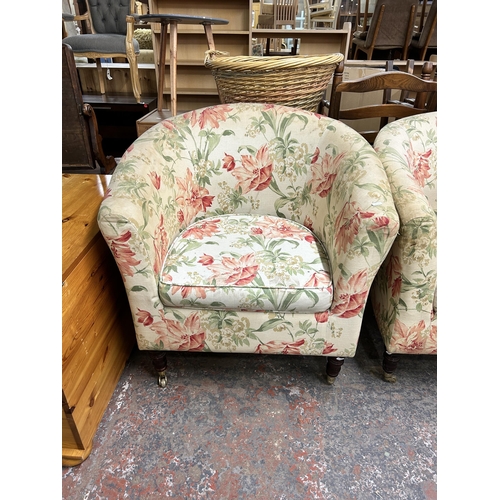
(348, 224)
(192, 198)
(123, 254)
(350, 295)
(176, 335)
(160, 243)
(419, 165)
(324, 174)
(254, 172)
(277, 347)
(210, 117)
(233, 271)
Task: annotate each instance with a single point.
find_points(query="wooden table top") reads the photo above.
(82, 195)
(181, 19)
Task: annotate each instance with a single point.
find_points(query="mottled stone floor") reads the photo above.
(266, 427)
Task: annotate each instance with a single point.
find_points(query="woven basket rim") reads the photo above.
(219, 60)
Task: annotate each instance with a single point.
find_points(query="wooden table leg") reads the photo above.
(100, 73)
(173, 68)
(210, 36)
(161, 69)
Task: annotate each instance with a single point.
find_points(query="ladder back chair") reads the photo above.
(391, 28)
(426, 39)
(285, 13)
(422, 87)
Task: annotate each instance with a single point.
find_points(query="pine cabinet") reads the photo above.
(97, 329)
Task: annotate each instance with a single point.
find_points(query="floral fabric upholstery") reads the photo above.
(224, 174)
(404, 294)
(247, 262)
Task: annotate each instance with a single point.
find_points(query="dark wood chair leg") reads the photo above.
(159, 359)
(389, 365)
(333, 366)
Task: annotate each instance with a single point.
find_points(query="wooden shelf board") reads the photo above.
(115, 65)
(192, 91)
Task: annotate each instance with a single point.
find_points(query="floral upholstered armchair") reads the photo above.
(404, 294)
(249, 228)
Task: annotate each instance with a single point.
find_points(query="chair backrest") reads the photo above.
(266, 7)
(391, 22)
(320, 8)
(423, 88)
(285, 13)
(325, 11)
(109, 16)
(428, 35)
(76, 143)
(81, 143)
(348, 11)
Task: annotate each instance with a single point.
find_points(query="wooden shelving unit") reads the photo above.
(195, 84)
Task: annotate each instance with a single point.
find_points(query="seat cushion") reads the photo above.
(103, 44)
(247, 262)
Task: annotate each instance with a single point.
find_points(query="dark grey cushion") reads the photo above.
(104, 44)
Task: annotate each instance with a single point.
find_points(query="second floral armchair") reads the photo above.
(404, 294)
(249, 228)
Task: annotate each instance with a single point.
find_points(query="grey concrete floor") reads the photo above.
(266, 427)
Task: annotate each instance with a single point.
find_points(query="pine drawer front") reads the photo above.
(97, 335)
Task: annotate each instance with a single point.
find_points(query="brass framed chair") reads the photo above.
(422, 88)
(391, 28)
(111, 35)
(81, 143)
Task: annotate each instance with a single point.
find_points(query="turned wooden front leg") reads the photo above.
(333, 367)
(389, 366)
(159, 359)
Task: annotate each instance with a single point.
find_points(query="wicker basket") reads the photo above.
(296, 81)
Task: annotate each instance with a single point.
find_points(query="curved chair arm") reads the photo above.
(72, 17)
(409, 159)
(375, 223)
(128, 217)
(129, 37)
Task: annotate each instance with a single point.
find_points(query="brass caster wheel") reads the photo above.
(389, 377)
(162, 380)
(330, 380)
